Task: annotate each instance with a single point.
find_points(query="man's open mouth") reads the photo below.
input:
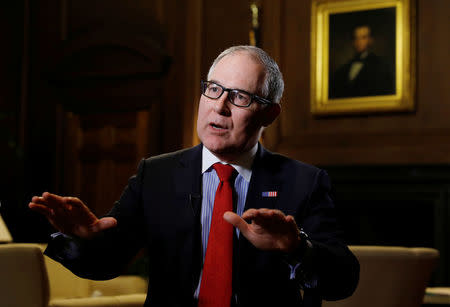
(217, 126)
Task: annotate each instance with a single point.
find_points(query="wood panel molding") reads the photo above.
(108, 68)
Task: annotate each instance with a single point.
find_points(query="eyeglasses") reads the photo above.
(238, 98)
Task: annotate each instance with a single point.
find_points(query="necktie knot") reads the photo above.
(224, 171)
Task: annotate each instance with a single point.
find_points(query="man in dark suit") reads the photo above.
(285, 236)
(366, 74)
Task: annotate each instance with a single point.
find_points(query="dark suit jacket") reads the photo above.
(375, 78)
(160, 210)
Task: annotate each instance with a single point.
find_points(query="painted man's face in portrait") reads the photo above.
(362, 39)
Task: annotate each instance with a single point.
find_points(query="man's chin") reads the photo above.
(217, 149)
(222, 151)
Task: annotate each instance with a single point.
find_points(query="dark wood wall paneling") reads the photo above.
(109, 76)
(225, 23)
(90, 101)
(420, 137)
(12, 29)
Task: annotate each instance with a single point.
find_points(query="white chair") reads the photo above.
(30, 279)
(390, 276)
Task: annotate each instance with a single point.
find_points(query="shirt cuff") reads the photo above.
(62, 247)
(300, 264)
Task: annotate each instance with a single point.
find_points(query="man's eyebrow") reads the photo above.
(215, 81)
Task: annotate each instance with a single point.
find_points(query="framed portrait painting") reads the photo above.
(362, 56)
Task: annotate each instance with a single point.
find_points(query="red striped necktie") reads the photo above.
(215, 288)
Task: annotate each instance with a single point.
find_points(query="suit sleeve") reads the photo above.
(332, 265)
(107, 255)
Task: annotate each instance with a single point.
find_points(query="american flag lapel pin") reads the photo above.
(270, 194)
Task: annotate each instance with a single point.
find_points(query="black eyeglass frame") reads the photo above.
(253, 97)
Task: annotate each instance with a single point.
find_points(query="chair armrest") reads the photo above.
(23, 277)
(129, 300)
(126, 284)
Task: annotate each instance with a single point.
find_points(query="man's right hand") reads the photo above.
(70, 215)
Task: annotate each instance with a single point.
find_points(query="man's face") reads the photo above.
(225, 129)
(362, 39)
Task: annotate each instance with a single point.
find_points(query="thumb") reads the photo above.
(236, 221)
(103, 224)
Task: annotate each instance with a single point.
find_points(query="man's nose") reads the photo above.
(221, 105)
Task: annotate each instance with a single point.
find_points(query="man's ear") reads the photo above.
(271, 113)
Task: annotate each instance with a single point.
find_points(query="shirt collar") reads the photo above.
(243, 164)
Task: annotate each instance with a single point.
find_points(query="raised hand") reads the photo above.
(70, 215)
(268, 229)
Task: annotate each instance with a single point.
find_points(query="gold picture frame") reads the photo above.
(347, 76)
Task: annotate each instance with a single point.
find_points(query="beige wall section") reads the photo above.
(420, 137)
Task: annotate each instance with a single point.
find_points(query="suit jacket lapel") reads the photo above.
(187, 184)
(188, 179)
(263, 180)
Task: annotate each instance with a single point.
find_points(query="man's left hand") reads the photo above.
(268, 229)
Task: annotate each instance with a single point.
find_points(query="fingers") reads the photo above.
(270, 229)
(52, 197)
(292, 224)
(47, 212)
(90, 231)
(74, 202)
(272, 220)
(249, 214)
(56, 202)
(70, 215)
(48, 200)
(265, 216)
(80, 212)
(236, 221)
(38, 200)
(39, 204)
(103, 224)
(63, 206)
(263, 212)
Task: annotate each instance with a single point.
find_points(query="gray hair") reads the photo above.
(273, 86)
